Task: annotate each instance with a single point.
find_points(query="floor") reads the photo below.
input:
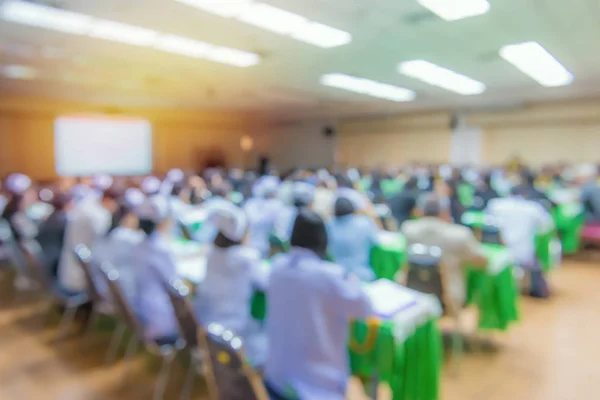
(552, 354)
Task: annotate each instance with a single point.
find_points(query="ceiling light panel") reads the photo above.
(45, 17)
(452, 10)
(368, 87)
(64, 21)
(276, 20)
(441, 77)
(117, 32)
(534, 60)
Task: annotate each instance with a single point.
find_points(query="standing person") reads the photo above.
(352, 234)
(233, 272)
(305, 291)
(87, 222)
(519, 220)
(302, 197)
(154, 263)
(324, 198)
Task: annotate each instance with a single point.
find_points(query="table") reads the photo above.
(493, 290)
(569, 219)
(547, 246)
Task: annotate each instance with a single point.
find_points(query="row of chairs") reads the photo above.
(215, 352)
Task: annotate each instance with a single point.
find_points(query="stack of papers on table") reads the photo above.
(391, 240)
(388, 298)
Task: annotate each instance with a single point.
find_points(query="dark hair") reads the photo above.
(411, 183)
(111, 194)
(342, 207)
(309, 233)
(147, 226)
(60, 201)
(487, 179)
(12, 207)
(221, 190)
(223, 242)
(343, 181)
(177, 189)
(118, 216)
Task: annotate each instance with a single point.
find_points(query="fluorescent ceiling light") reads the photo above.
(118, 32)
(223, 8)
(46, 17)
(272, 18)
(235, 57)
(441, 77)
(18, 72)
(276, 20)
(183, 46)
(321, 35)
(368, 87)
(534, 60)
(69, 22)
(452, 10)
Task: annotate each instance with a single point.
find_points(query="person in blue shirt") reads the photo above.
(311, 304)
(352, 234)
(154, 263)
(233, 272)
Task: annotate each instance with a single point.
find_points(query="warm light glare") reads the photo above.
(18, 72)
(65, 21)
(274, 19)
(367, 87)
(534, 60)
(46, 17)
(441, 77)
(452, 10)
(246, 143)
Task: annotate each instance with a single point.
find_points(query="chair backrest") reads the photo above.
(188, 326)
(83, 254)
(228, 374)
(424, 270)
(120, 301)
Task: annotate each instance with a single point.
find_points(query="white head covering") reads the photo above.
(353, 174)
(323, 174)
(229, 220)
(303, 192)
(17, 183)
(356, 198)
(150, 185)
(586, 171)
(102, 182)
(265, 186)
(134, 197)
(175, 175)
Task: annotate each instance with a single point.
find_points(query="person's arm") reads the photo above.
(348, 298)
(25, 227)
(473, 253)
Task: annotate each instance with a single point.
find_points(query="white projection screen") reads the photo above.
(88, 145)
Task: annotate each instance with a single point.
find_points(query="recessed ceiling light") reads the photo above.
(274, 19)
(452, 10)
(441, 77)
(18, 72)
(534, 60)
(64, 21)
(368, 87)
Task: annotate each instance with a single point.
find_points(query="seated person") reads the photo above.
(311, 304)
(485, 192)
(324, 196)
(154, 264)
(52, 233)
(119, 245)
(233, 272)
(302, 196)
(519, 220)
(14, 213)
(87, 222)
(590, 193)
(352, 234)
(403, 204)
(459, 248)
(262, 210)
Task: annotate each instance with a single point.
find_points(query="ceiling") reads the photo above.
(286, 81)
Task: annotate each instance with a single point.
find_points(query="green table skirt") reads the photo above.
(386, 261)
(569, 227)
(412, 368)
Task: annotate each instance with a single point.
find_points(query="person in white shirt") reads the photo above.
(87, 222)
(262, 211)
(233, 272)
(519, 221)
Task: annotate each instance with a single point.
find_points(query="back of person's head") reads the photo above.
(309, 232)
(303, 194)
(60, 201)
(13, 206)
(153, 216)
(527, 177)
(518, 190)
(432, 206)
(231, 224)
(343, 206)
(487, 180)
(411, 183)
(343, 181)
(221, 190)
(177, 189)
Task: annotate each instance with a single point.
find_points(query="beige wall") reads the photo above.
(538, 134)
(180, 139)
